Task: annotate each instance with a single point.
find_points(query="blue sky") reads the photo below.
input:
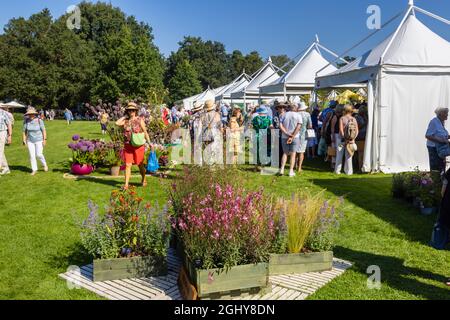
(270, 27)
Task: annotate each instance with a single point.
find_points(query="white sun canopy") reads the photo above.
(301, 79)
(267, 74)
(14, 105)
(407, 78)
(224, 94)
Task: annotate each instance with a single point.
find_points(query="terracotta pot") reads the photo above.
(115, 171)
(82, 170)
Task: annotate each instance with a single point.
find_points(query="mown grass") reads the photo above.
(39, 234)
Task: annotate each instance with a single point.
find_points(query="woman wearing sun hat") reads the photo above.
(35, 138)
(136, 135)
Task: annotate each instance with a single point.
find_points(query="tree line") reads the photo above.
(45, 64)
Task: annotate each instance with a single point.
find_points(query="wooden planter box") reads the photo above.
(237, 280)
(281, 264)
(126, 268)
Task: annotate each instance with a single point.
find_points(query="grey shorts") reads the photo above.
(290, 148)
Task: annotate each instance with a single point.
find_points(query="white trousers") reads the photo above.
(342, 155)
(36, 152)
(3, 138)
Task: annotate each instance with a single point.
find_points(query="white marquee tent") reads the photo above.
(224, 94)
(301, 79)
(407, 78)
(250, 93)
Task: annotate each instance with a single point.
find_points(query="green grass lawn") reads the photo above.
(39, 234)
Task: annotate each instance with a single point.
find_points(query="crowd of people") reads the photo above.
(337, 132)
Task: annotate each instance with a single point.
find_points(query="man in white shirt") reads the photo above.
(290, 125)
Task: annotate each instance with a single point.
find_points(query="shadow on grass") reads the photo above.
(76, 256)
(396, 275)
(373, 194)
(20, 168)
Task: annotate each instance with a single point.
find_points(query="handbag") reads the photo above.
(137, 139)
(331, 152)
(153, 163)
(310, 134)
(443, 150)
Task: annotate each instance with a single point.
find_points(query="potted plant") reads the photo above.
(306, 237)
(227, 238)
(427, 196)
(113, 158)
(129, 241)
(82, 156)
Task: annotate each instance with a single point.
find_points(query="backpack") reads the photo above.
(351, 130)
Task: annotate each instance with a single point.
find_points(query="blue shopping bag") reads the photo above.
(153, 164)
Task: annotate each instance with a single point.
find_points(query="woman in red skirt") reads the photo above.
(133, 151)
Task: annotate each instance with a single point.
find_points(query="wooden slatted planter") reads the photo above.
(233, 282)
(129, 268)
(283, 264)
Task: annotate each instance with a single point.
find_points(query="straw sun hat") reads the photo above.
(132, 106)
(31, 111)
(197, 107)
(210, 105)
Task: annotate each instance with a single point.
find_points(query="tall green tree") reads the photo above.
(209, 59)
(185, 82)
(43, 63)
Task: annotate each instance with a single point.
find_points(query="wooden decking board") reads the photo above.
(284, 287)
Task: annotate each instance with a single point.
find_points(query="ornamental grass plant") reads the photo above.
(307, 222)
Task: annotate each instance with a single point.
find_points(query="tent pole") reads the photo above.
(432, 15)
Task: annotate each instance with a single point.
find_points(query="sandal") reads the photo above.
(448, 283)
(144, 184)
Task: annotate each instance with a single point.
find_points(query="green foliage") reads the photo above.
(45, 64)
(184, 82)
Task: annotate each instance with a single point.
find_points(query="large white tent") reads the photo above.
(250, 93)
(224, 94)
(301, 79)
(208, 94)
(407, 78)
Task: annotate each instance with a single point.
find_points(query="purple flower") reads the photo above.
(84, 148)
(76, 137)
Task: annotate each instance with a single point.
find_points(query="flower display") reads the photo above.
(226, 228)
(129, 228)
(95, 152)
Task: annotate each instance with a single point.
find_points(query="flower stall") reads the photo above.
(130, 240)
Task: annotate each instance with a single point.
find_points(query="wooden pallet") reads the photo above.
(284, 287)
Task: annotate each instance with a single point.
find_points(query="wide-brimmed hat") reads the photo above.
(302, 106)
(262, 111)
(352, 148)
(210, 105)
(31, 111)
(132, 106)
(197, 107)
